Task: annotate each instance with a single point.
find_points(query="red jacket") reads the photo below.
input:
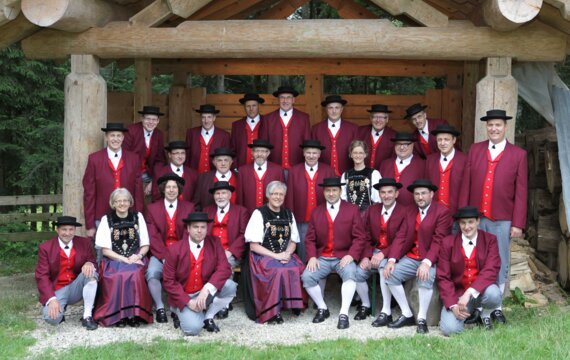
(451, 265)
(237, 222)
(221, 138)
(348, 132)
(189, 175)
(216, 269)
(455, 178)
(385, 149)
(202, 197)
(246, 186)
(238, 139)
(509, 185)
(415, 170)
(98, 184)
(134, 142)
(397, 228)
(349, 235)
(432, 141)
(155, 217)
(47, 268)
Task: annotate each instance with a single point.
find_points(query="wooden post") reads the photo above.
(497, 90)
(197, 98)
(143, 86)
(179, 112)
(470, 79)
(85, 115)
(314, 95)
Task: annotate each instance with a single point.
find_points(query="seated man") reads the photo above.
(197, 277)
(66, 273)
(430, 222)
(334, 241)
(222, 160)
(467, 270)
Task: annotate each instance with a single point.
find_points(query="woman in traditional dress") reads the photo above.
(275, 268)
(123, 238)
(359, 180)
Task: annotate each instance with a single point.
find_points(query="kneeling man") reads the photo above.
(197, 277)
(66, 273)
(467, 270)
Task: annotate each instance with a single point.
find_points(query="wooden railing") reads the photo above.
(28, 217)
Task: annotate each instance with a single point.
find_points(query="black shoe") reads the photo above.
(133, 322)
(175, 320)
(277, 319)
(122, 323)
(222, 314)
(321, 315)
(382, 320)
(402, 321)
(211, 326)
(356, 303)
(89, 323)
(363, 313)
(422, 327)
(161, 316)
(342, 322)
(499, 317)
(230, 307)
(296, 312)
(486, 323)
(474, 318)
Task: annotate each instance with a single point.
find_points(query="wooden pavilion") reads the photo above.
(471, 43)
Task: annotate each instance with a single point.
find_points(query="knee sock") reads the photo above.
(362, 291)
(315, 294)
(89, 292)
(155, 289)
(424, 300)
(400, 296)
(322, 285)
(347, 290)
(217, 305)
(386, 296)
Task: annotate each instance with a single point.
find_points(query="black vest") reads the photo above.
(359, 187)
(277, 228)
(124, 233)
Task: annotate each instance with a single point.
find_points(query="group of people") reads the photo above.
(287, 205)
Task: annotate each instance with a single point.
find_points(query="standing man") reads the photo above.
(446, 167)
(286, 128)
(430, 223)
(467, 271)
(165, 228)
(496, 183)
(66, 273)
(107, 170)
(406, 167)
(223, 159)
(197, 277)
(147, 141)
(176, 158)
(255, 177)
(304, 195)
(246, 129)
(377, 135)
(335, 241)
(335, 134)
(205, 139)
(427, 144)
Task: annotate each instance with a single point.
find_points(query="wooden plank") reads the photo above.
(185, 8)
(153, 15)
(27, 217)
(180, 112)
(470, 79)
(368, 67)
(506, 15)
(227, 12)
(197, 98)
(372, 39)
(143, 86)
(9, 10)
(563, 6)
(27, 236)
(417, 10)
(16, 30)
(30, 200)
(281, 10)
(314, 95)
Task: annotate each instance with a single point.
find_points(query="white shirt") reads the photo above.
(255, 230)
(334, 129)
(69, 246)
(252, 123)
(286, 116)
(263, 169)
(103, 236)
(449, 157)
(207, 136)
(170, 210)
(178, 170)
(468, 251)
(196, 252)
(333, 212)
(147, 136)
(313, 172)
(402, 164)
(423, 212)
(223, 177)
(425, 130)
(386, 213)
(219, 214)
(499, 148)
(374, 194)
(376, 137)
(115, 159)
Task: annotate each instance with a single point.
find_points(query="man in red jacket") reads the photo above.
(496, 183)
(417, 257)
(147, 141)
(197, 277)
(467, 271)
(66, 274)
(335, 241)
(426, 142)
(246, 129)
(377, 135)
(176, 159)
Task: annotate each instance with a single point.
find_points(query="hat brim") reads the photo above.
(380, 111)
(454, 133)
(68, 223)
(409, 115)
(468, 216)
(207, 112)
(110, 130)
(396, 185)
(332, 185)
(413, 139)
(411, 188)
(312, 147)
(259, 100)
(267, 146)
(342, 102)
(487, 118)
(293, 92)
(168, 148)
(230, 188)
(230, 155)
(186, 221)
(150, 113)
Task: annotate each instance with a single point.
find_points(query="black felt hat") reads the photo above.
(467, 212)
(310, 143)
(221, 185)
(285, 90)
(66, 220)
(404, 136)
(115, 127)
(262, 143)
(422, 183)
(152, 110)
(333, 99)
(222, 151)
(171, 176)
(332, 182)
(414, 109)
(251, 97)
(445, 129)
(387, 182)
(174, 145)
(197, 217)
(207, 109)
(496, 114)
(376, 108)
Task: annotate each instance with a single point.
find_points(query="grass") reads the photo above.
(18, 257)
(532, 334)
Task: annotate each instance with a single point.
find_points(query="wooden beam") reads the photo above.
(30, 200)
(143, 86)
(551, 16)
(153, 15)
(73, 15)
(16, 30)
(348, 9)
(227, 12)
(314, 87)
(185, 8)
(376, 39)
(562, 5)
(301, 66)
(417, 10)
(9, 10)
(507, 15)
(281, 10)
(470, 79)
(256, 9)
